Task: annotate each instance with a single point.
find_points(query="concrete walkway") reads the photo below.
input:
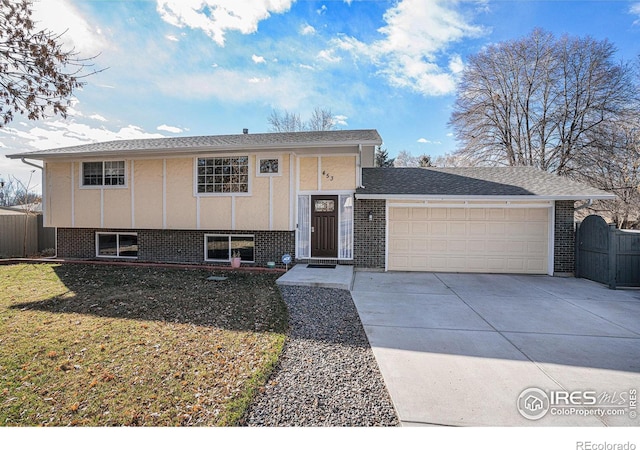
(339, 277)
(459, 349)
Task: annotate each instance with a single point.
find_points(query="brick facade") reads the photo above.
(187, 246)
(176, 246)
(564, 238)
(369, 235)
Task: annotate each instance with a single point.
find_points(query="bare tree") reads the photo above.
(285, 122)
(614, 166)
(37, 76)
(321, 120)
(536, 101)
(405, 159)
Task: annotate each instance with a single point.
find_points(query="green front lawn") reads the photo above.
(105, 345)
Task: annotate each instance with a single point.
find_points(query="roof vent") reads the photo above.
(245, 131)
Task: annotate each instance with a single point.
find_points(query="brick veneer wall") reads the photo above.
(183, 246)
(564, 238)
(369, 236)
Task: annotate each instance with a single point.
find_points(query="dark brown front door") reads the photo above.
(324, 226)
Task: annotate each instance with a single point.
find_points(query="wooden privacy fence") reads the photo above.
(607, 255)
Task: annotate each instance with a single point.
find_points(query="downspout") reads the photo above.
(586, 204)
(359, 180)
(24, 160)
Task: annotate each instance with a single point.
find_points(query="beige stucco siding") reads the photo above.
(180, 201)
(328, 173)
(87, 207)
(309, 173)
(338, 173)
(161, 193)
(280, 197)
(58, 194)
(117, 208)
(252, 212)
(215, 213)
(147, 176)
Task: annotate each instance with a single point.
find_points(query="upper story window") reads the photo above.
(103, 173)
(223, 175)
(268, 166)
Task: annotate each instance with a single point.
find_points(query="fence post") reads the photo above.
(613, 256)
(576, 249)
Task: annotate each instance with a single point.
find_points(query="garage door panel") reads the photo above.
(496, 214)
(418, 228)
(398, 228)
(438, 228)
(477, 247)
(540, 215)
(477, 228)
(469, 240)
(438, 213)
(457, 214)
(457, 229)
(419, 214)
(496, 229)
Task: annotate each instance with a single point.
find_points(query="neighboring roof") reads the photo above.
(257, 141)
(33, 208)
(469, 182)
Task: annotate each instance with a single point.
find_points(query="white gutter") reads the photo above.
(523, 198)
(309, 146)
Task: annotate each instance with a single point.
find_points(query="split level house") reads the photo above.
(313, 195)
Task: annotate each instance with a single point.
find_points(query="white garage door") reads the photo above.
(489, 240)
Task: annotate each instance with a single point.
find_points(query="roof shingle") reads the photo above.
(218, 142)
(473, 182)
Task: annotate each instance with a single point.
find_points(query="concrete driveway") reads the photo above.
(460, 349)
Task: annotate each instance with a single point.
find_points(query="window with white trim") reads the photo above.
(223, 175)
(117, 245)
(222, 247)
(268, 166)
(103, 173)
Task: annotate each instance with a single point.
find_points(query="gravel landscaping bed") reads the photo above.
(327, 374)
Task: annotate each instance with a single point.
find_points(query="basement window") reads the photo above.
(221, 247)
(117, 245)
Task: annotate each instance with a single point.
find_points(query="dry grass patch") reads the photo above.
(105, 345)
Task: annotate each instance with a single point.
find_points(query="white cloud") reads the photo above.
(172, 37)
(415, 37)
(216, 17)
(61, 17)
(307, 29)
(55, 133)
(635, 10)
(427, 141)
(258, 59)
(285, 90)
(322, 10)
(97, 117)
(341, 120)
(329, 56)
(169, 129)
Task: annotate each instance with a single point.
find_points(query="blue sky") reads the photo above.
(197, 67)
